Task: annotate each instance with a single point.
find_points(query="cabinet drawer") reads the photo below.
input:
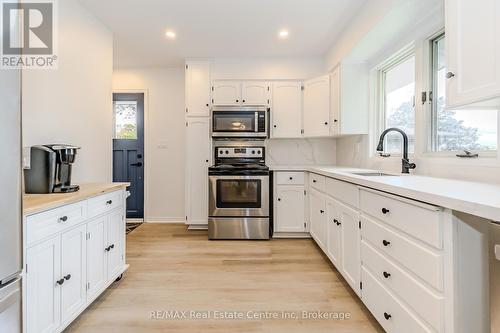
(422, 261)
(343, 191)
(104, 203)
(389, 312)
(419, 298)
(44, 224)
(290, 178)
(422, 221)
(317, 181)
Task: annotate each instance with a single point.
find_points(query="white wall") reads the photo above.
(72, 104)
(164, 138)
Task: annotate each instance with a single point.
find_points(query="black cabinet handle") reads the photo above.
(326, 123)
(67, 277)
(107, 248)
(385, 210)
(112, 246)
(279, 199)
(274, 126)
(386, 243)
(321, 211)
(449, 75)
(237, 101)
(387, 316)
(60, 282)
(109, 202)
(335, 120)
(207, 104)
(387, 275)
(314, 180)
(291, 178)
(243, 101)
(336, 222)
(63, 219)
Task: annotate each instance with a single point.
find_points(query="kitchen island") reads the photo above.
(74, 248)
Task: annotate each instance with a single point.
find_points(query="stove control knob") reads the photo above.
(227, 152)
(253, 152)
(258, 151)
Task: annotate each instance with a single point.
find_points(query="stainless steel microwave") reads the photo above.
(240, 122)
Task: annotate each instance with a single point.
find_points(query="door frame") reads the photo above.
(145, 92)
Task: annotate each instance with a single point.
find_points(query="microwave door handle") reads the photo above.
(256, 121)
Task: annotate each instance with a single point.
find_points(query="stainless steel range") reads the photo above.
(239, 191)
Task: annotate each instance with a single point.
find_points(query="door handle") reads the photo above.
(60, 282)
(67, 277)
(138, 164)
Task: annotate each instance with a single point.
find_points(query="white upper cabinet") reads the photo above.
(226, 93)
(349, 99)
(255, 93)
(197, 88)
(287, 110)
(197, 161)
(317, 107)
(473, 51)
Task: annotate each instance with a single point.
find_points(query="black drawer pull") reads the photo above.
(107, 249)
(387, 316)
(109, 202)
(112, 246)
(279, 199)
(385, 210)
(291, 178)
(387, 275)
(67, 277)
(63, 219)
(60, 282)
(386, 243)
(321, 211)
(314, 180)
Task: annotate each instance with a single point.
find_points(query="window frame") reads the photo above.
(390, 63)
(429, 107)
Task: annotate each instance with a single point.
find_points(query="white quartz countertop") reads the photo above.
(477, 199)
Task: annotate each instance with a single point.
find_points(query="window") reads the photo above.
(398, 101)
(457, 130)
(125, 120)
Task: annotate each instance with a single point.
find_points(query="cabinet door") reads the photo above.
(334, 233)
(115, 232)
(226, 93)
(287, 110)
(335, 101)
(317, 107)
(318, 218)
(96, 256)
(198, 158)
(350, 245)
(255, 93)
(43, 294)
(290, 208)
(473, 50)
(197, 88)
(73, 271)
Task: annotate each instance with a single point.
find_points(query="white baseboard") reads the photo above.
(152, 219)
(197, 227)
(291, 235)
(135, 220)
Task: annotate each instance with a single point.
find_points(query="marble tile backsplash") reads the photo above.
(321, 151)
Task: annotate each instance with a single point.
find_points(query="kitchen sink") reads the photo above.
(372, 174)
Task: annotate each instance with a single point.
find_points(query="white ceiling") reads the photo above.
(220, 28)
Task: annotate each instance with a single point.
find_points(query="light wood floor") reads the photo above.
(172, 269)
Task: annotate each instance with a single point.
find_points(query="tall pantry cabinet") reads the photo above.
(198, 157)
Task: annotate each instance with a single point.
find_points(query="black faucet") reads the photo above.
(405, 161)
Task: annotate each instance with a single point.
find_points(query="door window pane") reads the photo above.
(125, 120)
(456, 130)
(399, 92)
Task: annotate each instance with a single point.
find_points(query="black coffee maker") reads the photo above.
(50, 169)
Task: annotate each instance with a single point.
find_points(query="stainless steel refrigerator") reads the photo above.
(10, 201)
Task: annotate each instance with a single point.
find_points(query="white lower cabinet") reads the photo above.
(318, 218)
(42, 292)
(97, 272)
(290, 208)
(350, 266)
(73, 272)
(399, 270)
(67, 270)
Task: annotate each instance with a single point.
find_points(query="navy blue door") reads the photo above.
(128, 148)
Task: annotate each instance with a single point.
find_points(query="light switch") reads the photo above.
(26, 157)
